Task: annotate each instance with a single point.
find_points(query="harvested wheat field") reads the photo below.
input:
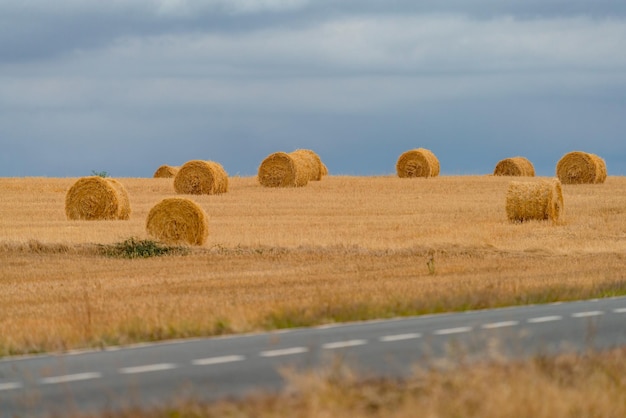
(346, 248)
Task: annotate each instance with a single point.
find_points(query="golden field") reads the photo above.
(344, 248)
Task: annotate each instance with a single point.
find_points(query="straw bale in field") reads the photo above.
(201, 177)
(515, 166)
(324, 170)
(97, 198)
(313, 163)
(165, 171)
(579, 167)
(178, 220)
(281, 169)
(122, 195)
(601, 168)
(534, 200)
(418, 162)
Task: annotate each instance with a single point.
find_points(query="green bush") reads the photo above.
(102, 174)
(136, 248)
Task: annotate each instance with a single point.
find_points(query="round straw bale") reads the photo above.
(283, 170)
(418, 162)
(579, 167)
(201, 177)
(324, 170)
(600, 168)
(515, 166)
(312, 162)
(534, 200)
(165, 171)
(178, 220)
(306, 161)
(97, 198)
(122, 195)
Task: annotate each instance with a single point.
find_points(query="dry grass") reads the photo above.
(568, 386)
(341, 249)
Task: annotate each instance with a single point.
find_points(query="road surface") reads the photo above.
(213, 368)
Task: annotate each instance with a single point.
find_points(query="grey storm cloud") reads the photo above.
(40, 28)
(232, 80)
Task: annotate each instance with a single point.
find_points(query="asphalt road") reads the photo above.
(212, 368)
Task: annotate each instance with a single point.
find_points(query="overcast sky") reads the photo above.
(124, 86)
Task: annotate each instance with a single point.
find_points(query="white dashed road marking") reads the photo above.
(10, 386)
(399, 337)
(283, 352)
(217, 360)
(545, 319)
(70, 378)
(148, 368)
(501, 324)
(449, 331)
(343, 344)
(587, 314)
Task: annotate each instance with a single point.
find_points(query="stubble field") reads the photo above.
(344, 248)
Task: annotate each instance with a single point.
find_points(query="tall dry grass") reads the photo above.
(346, 248)
(567, 386)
